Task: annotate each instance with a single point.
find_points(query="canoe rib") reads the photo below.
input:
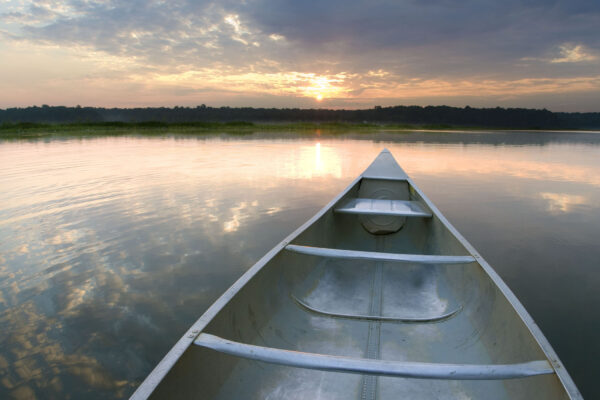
(375, 256)
(374, 367)
(374, 207)
(436, 318)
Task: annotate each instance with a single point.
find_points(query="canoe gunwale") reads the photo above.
(533, 328)
(151, 382)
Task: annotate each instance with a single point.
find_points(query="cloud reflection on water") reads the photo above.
(561, 164)
(563, 202)
(91, 284)
(111, 247)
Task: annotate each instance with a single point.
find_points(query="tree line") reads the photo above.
(520, 118)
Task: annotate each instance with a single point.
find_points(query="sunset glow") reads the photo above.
(104, 54)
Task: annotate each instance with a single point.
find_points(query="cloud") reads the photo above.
(573, 54)
(374, 45)
(337, 33)
(431, 37)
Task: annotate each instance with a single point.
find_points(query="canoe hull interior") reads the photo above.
(397, 311)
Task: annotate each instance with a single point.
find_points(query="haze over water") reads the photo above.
(110, 247)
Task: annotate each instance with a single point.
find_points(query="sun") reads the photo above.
(319, 97)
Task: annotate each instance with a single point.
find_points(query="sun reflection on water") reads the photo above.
(110, 246)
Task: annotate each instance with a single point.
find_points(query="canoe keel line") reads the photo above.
(376, 279)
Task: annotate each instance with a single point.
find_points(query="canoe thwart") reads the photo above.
(377, 256)
(374, 367)
(398, 208)
(381, 318)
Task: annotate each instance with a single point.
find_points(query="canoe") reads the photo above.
(375, 297)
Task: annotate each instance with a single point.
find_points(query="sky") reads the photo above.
(308, 54)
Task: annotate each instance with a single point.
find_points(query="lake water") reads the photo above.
(110, 247)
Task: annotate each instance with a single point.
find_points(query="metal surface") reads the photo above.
(312, 303)
(371, 255)
(370, 382)
(152, 381)
(374, 367)
(399, 208)
(385, 167)
(377, 317)
(380, 190)
(571, 391)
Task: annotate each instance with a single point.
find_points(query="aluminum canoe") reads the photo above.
(375, 297)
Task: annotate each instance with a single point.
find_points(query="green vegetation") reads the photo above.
(35, 130)
(25, 130)
(210, 118)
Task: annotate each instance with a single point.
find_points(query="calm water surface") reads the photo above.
(111, 247)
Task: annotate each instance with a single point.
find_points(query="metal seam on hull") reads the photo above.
(369, 384)
(376, 256)
(375, 367)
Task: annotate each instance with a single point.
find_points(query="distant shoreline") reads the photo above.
(38, 130)
(246, 118)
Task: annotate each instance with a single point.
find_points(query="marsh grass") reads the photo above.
(34, 130)
(29, 130)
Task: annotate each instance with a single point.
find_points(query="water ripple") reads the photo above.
(111, 247)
